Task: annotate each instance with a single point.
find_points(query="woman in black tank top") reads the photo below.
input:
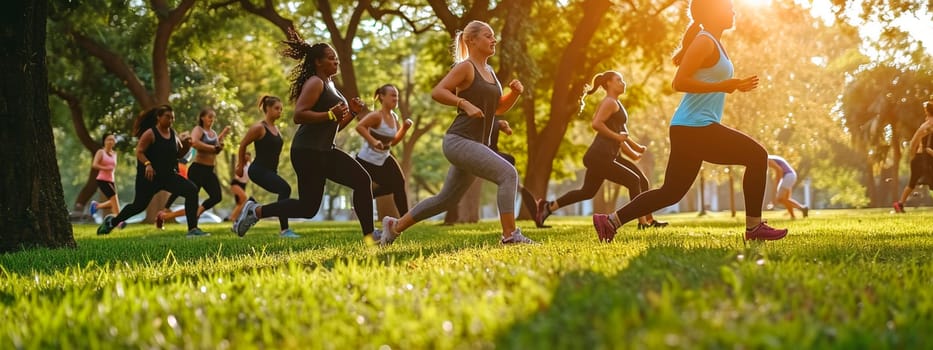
(157, 169)
(264, 170)
(320, 112)
(602, 159)
(473, 88)
(921, 157)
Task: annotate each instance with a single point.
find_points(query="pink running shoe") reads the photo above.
(763, 232)
(604, 228)
(899, 207)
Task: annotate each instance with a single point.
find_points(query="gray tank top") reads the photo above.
(484, 95)
(206, 137)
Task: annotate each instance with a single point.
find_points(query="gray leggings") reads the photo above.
(468, 160)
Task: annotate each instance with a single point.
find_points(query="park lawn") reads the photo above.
(841, 279)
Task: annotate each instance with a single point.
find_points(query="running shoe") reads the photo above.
(106, 226)
(160, 221)
(247, 218)
(763, 232)
(653, 224)
(288, 233)
(93, 209)
(389, 235)
(806, 211)
(604, 228)
(899, 207)
(542, 211)
(196, 232)
(517, 238)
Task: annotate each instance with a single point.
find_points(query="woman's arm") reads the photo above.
(254, 133)
(310, 93)
(98, 164)
(196, 134)
(697, 54)
(460, 77)
(606, 108)
(628, 151)
(402, 131)
(508, 100)
(369, 121)
(144, 142)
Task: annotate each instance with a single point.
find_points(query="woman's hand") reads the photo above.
(743, 85)
(504, 127)
(150, 172)
(356, 105)
(239, 169)
(471, 110)
(516, 86)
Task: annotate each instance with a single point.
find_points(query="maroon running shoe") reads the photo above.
(604, 228)
(763, 232)
(542, 211)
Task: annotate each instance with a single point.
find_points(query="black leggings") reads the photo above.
(173, 183)
(202, 176)
(313, 169)
(606, 167)
(690, 147)
(389, 180)
(270, 181)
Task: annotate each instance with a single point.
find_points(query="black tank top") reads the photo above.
(320, 136)
(162, 154)
(485, 96)
(268, 149)
(616, 123)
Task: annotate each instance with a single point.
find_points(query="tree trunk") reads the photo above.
(32, 202)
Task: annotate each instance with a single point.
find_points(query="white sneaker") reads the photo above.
(388, 231)
(247, 218)
(516, 238)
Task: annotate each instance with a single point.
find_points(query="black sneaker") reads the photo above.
(106, 226)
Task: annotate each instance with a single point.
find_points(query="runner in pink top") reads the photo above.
(105, 161)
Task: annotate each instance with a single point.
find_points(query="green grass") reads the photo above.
(841, 279)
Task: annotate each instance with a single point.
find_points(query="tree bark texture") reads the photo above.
(32, 203)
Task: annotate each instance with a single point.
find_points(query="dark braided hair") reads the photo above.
(148, 119)
(307, 55)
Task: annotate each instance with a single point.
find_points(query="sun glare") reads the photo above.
(760, 3)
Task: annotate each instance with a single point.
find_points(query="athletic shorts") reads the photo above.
(787, 181)
(107, 188)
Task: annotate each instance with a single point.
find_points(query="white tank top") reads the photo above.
(383, 133)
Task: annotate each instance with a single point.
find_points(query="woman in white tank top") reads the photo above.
(380, 131)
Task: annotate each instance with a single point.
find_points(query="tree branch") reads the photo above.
(378, 13)
(77, 118)
(114, 64)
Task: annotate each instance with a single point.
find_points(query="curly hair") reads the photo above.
(148, 119)
(306, 55)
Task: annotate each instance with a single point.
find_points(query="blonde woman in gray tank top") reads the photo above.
(473, 88)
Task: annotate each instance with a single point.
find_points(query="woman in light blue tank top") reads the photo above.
(696, 135)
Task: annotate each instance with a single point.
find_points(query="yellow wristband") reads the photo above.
(332, 115)
(147, 163)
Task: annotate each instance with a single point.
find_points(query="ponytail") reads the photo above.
(472, 29)
(599, 80)
(267, 101)
(691, 33)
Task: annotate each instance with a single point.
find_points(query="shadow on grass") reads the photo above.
(589, 309)
(142, 246)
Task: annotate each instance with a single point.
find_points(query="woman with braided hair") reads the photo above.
(320, 112)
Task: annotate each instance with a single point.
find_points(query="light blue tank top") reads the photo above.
(704, 109)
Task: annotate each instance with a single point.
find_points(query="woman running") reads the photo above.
(471, 86)
(705, 74)
(380, 130)
(921, 157)
(320, 111)
(157, 154)
(208, 144)
(264, 171)
(784, 180)
(105, 161)
(602, 159)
